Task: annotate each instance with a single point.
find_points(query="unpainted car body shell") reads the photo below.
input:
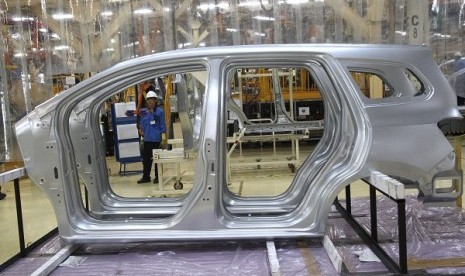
(398, 136)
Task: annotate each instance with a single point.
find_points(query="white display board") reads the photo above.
(127, 150)
(121, 108)
(128, 131)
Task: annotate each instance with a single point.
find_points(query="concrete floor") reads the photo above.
(38, 217)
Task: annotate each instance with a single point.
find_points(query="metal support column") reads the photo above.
(19, 216)
(373, 214)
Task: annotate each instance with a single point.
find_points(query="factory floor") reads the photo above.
(250, 176)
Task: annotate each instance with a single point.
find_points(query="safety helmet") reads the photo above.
(151, 94)
(458, 54)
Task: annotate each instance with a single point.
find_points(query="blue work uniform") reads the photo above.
(153, 126)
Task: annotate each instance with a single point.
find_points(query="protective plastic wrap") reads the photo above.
(435, 244)
(435, 235)
(38, 256)
(221, 258)
(302, 258)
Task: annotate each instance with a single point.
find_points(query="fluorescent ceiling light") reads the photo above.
(182, 45)
(61, 47)
(131, 44)
(106, 13)
(205, 7)
(252, 4)
(20, 55)
(441, 35)
(208, 6)
(143, 11)
(264, 18)
(293, 2)
(62, 16)
(21, 18)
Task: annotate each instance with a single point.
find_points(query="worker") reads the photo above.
(459, 78)
(145, 87)
(459, 63)
(152, 129)
(2, 195)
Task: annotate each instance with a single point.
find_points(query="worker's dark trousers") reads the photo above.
(147, 158)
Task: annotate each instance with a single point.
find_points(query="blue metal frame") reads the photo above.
(116, 121)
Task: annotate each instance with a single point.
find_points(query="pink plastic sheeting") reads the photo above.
(294, 258)
(432, 233)
(38, 256)
(221, 258)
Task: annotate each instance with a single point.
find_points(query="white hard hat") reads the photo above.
(458, 54)
(151, 94)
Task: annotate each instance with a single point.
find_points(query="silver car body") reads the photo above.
(62, 145)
